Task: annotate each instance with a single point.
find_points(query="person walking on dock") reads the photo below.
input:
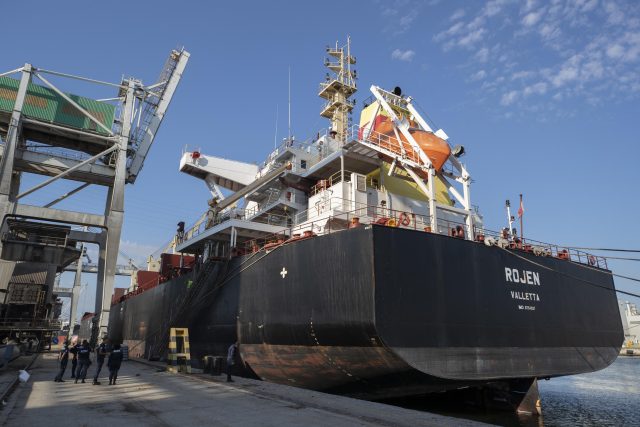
(114, 362)
(74, 361)
(63, 358)
(101, 353)
(84, 360)
(231, 359)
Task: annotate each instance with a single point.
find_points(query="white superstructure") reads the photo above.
(630, 322)
(346, 171)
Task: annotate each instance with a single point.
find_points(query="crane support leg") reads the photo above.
(75, 293)
(7, 199)
(114, 214)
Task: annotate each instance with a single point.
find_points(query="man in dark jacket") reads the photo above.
(74, 361)
(84, 360)
(114, 362)
(231, 359)
(63, 358)
(101, 353)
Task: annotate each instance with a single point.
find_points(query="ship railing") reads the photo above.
(335, 99)
(447, 225)
(334, 179)
(314, 222)
(363, 214)
(542, 248)
(275, 197)
(310, 146)
(329, 207)
(253, 215)
(383, 143)
(345, 80)
(291, 143)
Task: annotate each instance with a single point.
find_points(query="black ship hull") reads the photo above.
(378, 312)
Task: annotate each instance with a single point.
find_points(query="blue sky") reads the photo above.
(544, 96)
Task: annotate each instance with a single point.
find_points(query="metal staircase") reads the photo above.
(180, 317)
(272, 201)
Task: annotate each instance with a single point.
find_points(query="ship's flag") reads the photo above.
(521, 208)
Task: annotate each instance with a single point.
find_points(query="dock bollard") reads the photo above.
(179, 357)
(207, 365)
(217, 365)
(125, 352)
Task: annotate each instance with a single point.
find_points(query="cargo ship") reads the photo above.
(354, 262)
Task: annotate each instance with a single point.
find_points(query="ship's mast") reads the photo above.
(339, 85)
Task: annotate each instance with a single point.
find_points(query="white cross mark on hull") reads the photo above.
(284, 272)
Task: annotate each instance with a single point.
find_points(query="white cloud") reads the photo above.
(478, 76)
(407, 20)
(482, 55)
(509, 98)
(493, 7)
(399, 15)
(532, 18)
(471, 38)
(592, 70)
(549, 31)
(521, 75)
(548, 52)
(403, 55)
(615, 15)
(565, 75)
(477, 22)
(388, 11)
(615, 51)
(529, 5)
(453, 30)
(588, 6)
(538, 88)
(459, 13)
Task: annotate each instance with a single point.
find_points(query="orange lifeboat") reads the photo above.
(436, 149)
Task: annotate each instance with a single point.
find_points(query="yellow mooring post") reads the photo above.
(179, 359)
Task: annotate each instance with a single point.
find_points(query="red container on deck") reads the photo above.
(117, 294)
(170, 263)
(147, 279)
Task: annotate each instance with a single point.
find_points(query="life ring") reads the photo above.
(404, 219)
(391, 222)
(592, 260)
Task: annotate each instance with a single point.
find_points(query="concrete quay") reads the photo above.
(148, 396)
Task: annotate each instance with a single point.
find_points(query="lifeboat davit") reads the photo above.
(436, 149)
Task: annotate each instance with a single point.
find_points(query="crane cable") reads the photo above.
(604, 249)
(619, 258)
